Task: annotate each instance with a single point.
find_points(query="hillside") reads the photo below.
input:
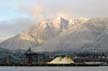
(60, 34)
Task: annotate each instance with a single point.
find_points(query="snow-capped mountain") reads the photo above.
(60, 34)
(91, 34)
(37, 34)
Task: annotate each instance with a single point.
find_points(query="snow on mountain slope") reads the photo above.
(60, 34)
(37, 34)
(100, 45)
(3, 38)
(78, 37)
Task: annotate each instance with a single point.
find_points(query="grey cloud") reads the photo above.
(13, 27)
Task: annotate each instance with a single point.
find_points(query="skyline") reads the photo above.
(38, 9)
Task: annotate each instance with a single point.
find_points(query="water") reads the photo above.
(103, 68)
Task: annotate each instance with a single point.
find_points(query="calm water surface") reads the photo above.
(103, 68)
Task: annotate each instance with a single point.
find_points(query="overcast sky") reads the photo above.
(19, 9)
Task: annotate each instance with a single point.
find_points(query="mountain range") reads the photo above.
(60, 34)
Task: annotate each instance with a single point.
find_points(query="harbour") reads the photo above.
(19, 68)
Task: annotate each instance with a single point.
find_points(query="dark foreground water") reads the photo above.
(102, 68)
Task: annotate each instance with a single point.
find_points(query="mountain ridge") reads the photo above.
(59, 34)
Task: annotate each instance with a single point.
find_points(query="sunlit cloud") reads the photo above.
(41, 11)
(35, 11)
(66, 13)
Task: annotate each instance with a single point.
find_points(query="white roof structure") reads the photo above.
(60, 60)
(57, 60)
(67, 60)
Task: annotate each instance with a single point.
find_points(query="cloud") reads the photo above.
(14, 27)
(66, 13)
(35, 11)
(41, 11)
